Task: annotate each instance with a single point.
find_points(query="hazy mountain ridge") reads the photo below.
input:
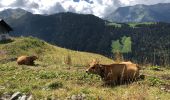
(142, 13)
(13, 13)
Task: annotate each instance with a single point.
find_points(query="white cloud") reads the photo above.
(6, 2)
(97, 7)
(147, 2)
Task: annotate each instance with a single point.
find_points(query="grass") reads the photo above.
(51, 78)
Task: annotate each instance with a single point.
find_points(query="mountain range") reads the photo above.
(141, 13)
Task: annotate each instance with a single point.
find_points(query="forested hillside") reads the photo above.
(149, 41)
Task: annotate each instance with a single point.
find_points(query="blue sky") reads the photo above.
(99, 8)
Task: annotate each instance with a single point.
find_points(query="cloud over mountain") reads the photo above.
(97, 7)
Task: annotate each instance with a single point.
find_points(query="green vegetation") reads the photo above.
(121, 47)
(135, 24)
(114, 25)
(154, 81)
(55, 85)
(127, 44)
(156, 68)
(116, 46)
(51, 78)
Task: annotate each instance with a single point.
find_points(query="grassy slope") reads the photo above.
(133, 24)
(52, 78)
(115, 25)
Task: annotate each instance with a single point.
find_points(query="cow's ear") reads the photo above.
(97, 62)
(88, 64)
(94, 60)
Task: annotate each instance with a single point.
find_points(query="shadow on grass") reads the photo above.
(29, 65)
(3, 61)
(125, 82)
(165, 77)
(6, 41)
(36, 65)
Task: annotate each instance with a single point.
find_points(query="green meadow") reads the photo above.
(59, 73)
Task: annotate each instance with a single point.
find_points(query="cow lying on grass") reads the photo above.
(115, 73)
(26, 60)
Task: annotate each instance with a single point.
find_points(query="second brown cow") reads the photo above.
(26, 60)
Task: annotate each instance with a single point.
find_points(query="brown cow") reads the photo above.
(26, 60)
(114, 73)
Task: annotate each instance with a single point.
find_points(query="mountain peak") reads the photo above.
(13, 13)
(142, 13)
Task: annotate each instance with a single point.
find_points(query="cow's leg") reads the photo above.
(32, 63)
(120, 80)
(115, 80)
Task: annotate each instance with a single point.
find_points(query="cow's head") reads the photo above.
(94, 67)
(34, 57)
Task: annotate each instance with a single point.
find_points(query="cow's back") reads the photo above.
(22, 59)
(121, 72)
(126, 62)
(132, 72)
